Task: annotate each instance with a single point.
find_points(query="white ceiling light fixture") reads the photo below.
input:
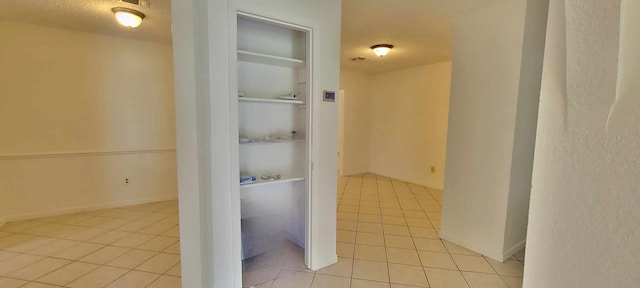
(381, 49)
(128, 17)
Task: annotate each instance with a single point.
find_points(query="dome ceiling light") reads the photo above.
(381, 49)
(128, 17)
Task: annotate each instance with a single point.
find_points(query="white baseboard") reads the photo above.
(513, 250)
(491, 254)
(77, 209)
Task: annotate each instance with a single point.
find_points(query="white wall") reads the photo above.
(493, 81)
(204, 45)
(584, 227)
(357, 106)
(408, 123)
(79, 113)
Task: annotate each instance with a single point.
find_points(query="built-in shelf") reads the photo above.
(254, 57)
(272, 142)
(269, 100)
(261, 182)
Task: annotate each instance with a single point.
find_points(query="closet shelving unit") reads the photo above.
(272, 63)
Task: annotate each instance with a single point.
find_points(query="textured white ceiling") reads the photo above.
(92, 16)
(420, 30)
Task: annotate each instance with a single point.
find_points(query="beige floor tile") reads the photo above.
(133, 240)
(133, 226)
(20, 226)
(132, 259)
(346, 236)
(472, 263)
(347, 225)
(30, 244)
(414, 213)
(343, 268)
(38, 285)
(4, 234)
(104, 255)
(421, 232)
(369, 210)
(100, 277)
(513, 282)
(347, 209)
(511, 268)
(114, 224)
(441, 278)
(457, 249)
(158, 243)
(175, 270)
(345, 249)
(166, 282)
(38, 269)
(17, 262)
(393, 220)
(66, 231)
(369, 227)
(434, 245)
(159, 263)
(436, 260)
(54, 247)
(359, 283)
(4, 255)
(78, 251)
(370, 238)
(480, 280)
(259, 275)
(370, 270)
(403, 256)
(134, 279)
(109, 237)
(156, 228)
(173, 249)
(14, 239)
(407, 275)
(399, 230)
(391, 212)
(396, 241)
(328, 281)
(11, 283)
(172, 232)
(417, 222)
(95, 221)
(67, 274)
(369, 252)
(86, 234)
(45, 229)
(369, 218)
(293, 279)
(347, 216)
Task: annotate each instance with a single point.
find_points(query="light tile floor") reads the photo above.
(135, 246)
(387, 237)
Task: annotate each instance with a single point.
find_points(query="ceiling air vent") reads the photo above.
(358, 59)
(143, 3)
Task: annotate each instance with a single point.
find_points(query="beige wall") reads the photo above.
(80, 112)
(408, 130)
(356, 113)
(396, 123)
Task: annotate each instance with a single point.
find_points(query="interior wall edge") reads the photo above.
(354, 172)
(79, 209)
(495, 255)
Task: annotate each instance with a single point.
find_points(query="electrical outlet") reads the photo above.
(126, 180)
(433, 169)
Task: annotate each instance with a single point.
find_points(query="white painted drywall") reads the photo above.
(204, 46)
(584, 228)
(64, 93)
(357, 106)
(408, 123)
(496, 63)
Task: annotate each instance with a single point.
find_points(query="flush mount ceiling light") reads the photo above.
(381, 49)
(128, 17)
